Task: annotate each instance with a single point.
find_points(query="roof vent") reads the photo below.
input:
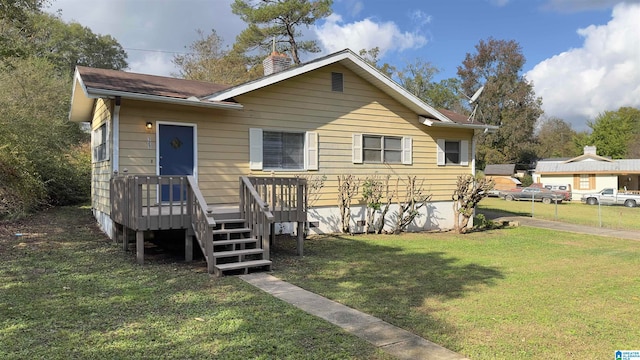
(275, 63)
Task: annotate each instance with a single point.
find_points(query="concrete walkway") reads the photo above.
(394, 340)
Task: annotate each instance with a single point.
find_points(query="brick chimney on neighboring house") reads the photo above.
(275, 63)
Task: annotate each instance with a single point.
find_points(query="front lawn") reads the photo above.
(66, 292)
(616, 217)
(504, 294)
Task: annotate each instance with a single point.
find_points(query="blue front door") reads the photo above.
(175, 155)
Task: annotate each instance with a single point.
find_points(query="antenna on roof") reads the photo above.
(472, 100)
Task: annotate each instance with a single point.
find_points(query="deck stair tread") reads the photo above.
(219, 254)
(234, 241)
(228, 231)
(243, 265)
(226, 221)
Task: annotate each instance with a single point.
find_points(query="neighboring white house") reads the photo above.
(589, 172)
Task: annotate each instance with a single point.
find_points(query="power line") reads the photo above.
(158, 51)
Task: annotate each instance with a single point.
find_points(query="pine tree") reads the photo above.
(280, 20)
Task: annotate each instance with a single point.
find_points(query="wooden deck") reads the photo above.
(135, 207)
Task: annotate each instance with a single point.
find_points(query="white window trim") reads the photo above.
(464, 152)
(406, 148)
(311, 154)
(94, 142)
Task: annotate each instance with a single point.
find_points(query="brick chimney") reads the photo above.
(275, 63)
(590, 150)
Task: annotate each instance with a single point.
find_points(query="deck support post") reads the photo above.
(300, 246)
(140, 247)
(116, 233)
(188, 246)
(125, 238)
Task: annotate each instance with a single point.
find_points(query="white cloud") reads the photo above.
(335, 35)
(420, 18)
(604, 74)
(356, 7)
(154, 64)
(154, 25)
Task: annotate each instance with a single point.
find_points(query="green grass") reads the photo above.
(615, 217)
(517, 293)
(66, 292)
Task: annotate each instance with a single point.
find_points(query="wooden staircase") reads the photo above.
(235, 249)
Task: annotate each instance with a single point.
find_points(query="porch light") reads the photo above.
(149, 125)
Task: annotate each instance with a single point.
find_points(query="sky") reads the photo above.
(583, 56)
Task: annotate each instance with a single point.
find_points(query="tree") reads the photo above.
(555, 138)
(208, 60)
(41, 158)
(417, 78)
(467, 194)
(14, 23)
(37, 34)
(508, 100)
(371, 56)
(280, 20)
(44, 158)
(445, 95)
(67, 45)
(615, 133)
(634, 147)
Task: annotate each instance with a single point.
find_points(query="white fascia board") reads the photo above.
(343, 55)
(99, 93)
(430, 122)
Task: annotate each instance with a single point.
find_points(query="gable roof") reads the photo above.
(145, 84)
(588, 156)
(500, 169)
(625, 166)
(92, 83)
(429, 115)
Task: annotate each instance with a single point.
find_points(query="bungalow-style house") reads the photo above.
(590, 172)
(503, 177)
(224, 163)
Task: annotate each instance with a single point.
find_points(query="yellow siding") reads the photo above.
(304, 103)
(101, 171)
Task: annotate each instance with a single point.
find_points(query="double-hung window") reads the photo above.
(382, 149)
(282, 150)
(100, 139)
(453, 152)
(379, 149)
(586, 182)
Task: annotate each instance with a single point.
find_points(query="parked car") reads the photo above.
(610, 196)
(535, 193)
(564, 189)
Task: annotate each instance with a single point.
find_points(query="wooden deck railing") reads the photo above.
(201, 221)
(256, 213)
(135, 202)
(285, 196)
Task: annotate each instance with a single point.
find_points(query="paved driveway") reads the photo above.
(562, 226)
